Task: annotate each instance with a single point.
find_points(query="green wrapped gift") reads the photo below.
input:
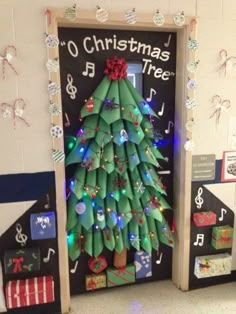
(118, 277)
(222, 237)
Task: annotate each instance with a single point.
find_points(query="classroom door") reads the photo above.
(151, 59)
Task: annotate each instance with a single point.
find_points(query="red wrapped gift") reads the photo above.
(204, 219)
(27, 292)
(97, 264)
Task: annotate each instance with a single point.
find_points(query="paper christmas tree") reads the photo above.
(116, 197)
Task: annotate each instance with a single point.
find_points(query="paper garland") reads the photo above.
(58, 155)
(158, 18)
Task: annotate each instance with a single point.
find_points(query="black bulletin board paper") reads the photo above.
(87, 49)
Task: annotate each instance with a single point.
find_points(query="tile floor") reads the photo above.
(157, 298)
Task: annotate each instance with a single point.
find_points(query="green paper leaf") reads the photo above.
(153, 233)
(145, 153)
(134, 234)
(111, 216)
(125, 209)
(88, 128)
(103, 135)
(136, 134)
(102, 183)
(164, 233)
(93, 153)
(97, 243)
(145, 236)
(88, 245)
(86, 219)
(125, 237)
(119, 246)
(107, 161)
(71, 216)
(132, 154)
(121, 160)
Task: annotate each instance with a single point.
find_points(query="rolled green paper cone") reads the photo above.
(140, 101)
(124, 211)
(112, 115)
(121, 161)
(164, 233)
(155, 150)
(127, 190)
(145, 153)
(88, 127)
(119, 245)
(103, 135)
(153, 233)
(87, 219)
(91, 180)
(111, 215)
(132, 155)
(136, 134)
(78, 188)
(111, 187)
(97, 243)
(74, 251)
(146, 176)
(125, 237)
(145, 236)
(73, 242)
(72, 216)
(77, 154)
(108, 239)
(138, 210)
(116, 131)
(145, 198)
(137, 183)
(99, 213)
(164, 203)
(134, 237)
(93, 153)
(108, 158)
(88, 242)
(102, 183)
(147, 128)
(98, 96)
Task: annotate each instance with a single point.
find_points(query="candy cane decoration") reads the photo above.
(6, 57)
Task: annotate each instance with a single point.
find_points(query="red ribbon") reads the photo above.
(116, 68)
(17, 261)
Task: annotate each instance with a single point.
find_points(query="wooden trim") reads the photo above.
(183, 159)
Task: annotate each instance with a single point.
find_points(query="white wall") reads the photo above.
(23, 23)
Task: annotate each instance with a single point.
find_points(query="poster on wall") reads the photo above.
(228, 171)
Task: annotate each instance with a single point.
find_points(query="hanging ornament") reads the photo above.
(100, 214)
(56, 131)
(192, 66)
(190, 103)
(58, 155)
(88, 164)
(52, 41)
(123, 136)
(192, 84)
(190, 125)
(189, 145)
(109, 104)
(89, 104)
(54, 109)
(179, 19)
(131, 16)
(52, 65)
(71, 13)
(158, 18)
(193, 44)
(53, 88)
(80, 208)
(101, 15)
(139, 187)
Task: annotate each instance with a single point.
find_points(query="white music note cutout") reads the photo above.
(20, 237)
(73, 270)
(168, 41)
(70, 89)
(199, 240)
(164, 172)
(158, 261)
(198, 199)
(161, 112)
(152, 92)
(90, 67)
(47, 206)
(222, 213)
(47, 258)
(67, 123)
(170, 124)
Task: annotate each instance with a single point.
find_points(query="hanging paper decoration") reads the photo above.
(90, 104)
(56, 131)
(130, 16)
(88, 164)
(192, 84)
(97, 264)
(193, 44)
(192, 66)
(58, 155)
(220, 106)
(71, 13)
(52, 65)
(54, 109)
(119, 183)
(101, 15)
(190, 103)
(189, 145)
(53, 89)
(16, 111)
(190, 125)
(179, 19)
(158, 18)
(6, 58)
(52, 41)
(80, 208)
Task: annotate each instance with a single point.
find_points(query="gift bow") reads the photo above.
(6, 59)
(17, 261)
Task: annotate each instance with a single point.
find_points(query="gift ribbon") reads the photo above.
(17, 261)
(6, 57)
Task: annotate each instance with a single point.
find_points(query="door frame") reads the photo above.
(183, 158)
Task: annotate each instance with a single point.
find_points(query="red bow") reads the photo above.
(116, 68)
(17, 261)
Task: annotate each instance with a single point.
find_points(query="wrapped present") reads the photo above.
(143, 264)
(97, 264)
(93, 282)
(22, 260)
(43, 226)
(117, 277)
(222, 237)
(202, 219)
(28, 292)
(212, 265)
